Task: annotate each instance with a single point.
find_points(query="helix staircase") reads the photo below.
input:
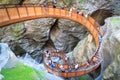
(10, 14)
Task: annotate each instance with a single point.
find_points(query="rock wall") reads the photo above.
(7, 58)
(83, 51)
(66, 34)
(111, 49)
(36, 35)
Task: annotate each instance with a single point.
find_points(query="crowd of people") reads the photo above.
(72, 9)
(67, 66)
(66, 59)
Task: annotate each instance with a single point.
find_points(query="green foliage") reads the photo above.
(9, 1)
(83, 78)
(68, 3)
(39, 74)
(16, 31)
(4, 2)
(82, 1)
(20, 72)
(115, 21)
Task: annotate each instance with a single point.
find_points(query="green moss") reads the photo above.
(68, 3)
(115, 20)
(83, 78)
(9, 1)
(16, 31)
(82, 1)
(5, 1)
(39, 74)
(20, 72)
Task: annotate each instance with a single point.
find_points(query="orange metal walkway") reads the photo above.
(14, 13)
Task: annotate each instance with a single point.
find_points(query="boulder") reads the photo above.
(4, 55)
(7, 58)
(37, 33)
(66, 34)
(84, 50)
(110, 49)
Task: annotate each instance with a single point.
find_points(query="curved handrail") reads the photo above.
(17, 13)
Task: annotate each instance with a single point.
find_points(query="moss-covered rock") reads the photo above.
(21, 72)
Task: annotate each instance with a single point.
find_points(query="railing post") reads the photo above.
(7, 12)
(34, 9)
(26, 9)
(18, 11)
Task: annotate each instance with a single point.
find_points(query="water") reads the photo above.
(27, 60)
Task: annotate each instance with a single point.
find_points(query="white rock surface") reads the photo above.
(27, 60)
(1, 77)
(111, 49)
(7, 58)
(4, 54)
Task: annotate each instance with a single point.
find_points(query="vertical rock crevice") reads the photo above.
(100, 15)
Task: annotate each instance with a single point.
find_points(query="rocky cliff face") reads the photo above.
(36, 35)
(44, 33)
(111, 49)
(66, 34)
(83, 51)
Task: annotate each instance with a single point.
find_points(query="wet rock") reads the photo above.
(115, 7)
(4, 55)
(100, 15)
(92, 5)
(12, 32)
(48, 45)
(17, 49)
(10, 1)
(111, 49)
(37, 33)
(1, 77)
(84, 50)
(66, 34)
(12, 35)
(7, 58)
(11, 58)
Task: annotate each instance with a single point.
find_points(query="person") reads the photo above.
(53, 65)
(100, 39)
(54, 6)
(62, 68)
(49, 61)
(76, 66)
(86, 15)
(94, 59)
(69, 70)
(81, 13)
(87, 64)
(57, 50)
(62, 7)
(44, 4)
(54, 3)
(78, 11)
(71, 9)
(47, 54)
(66, 58)
(45, 9)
